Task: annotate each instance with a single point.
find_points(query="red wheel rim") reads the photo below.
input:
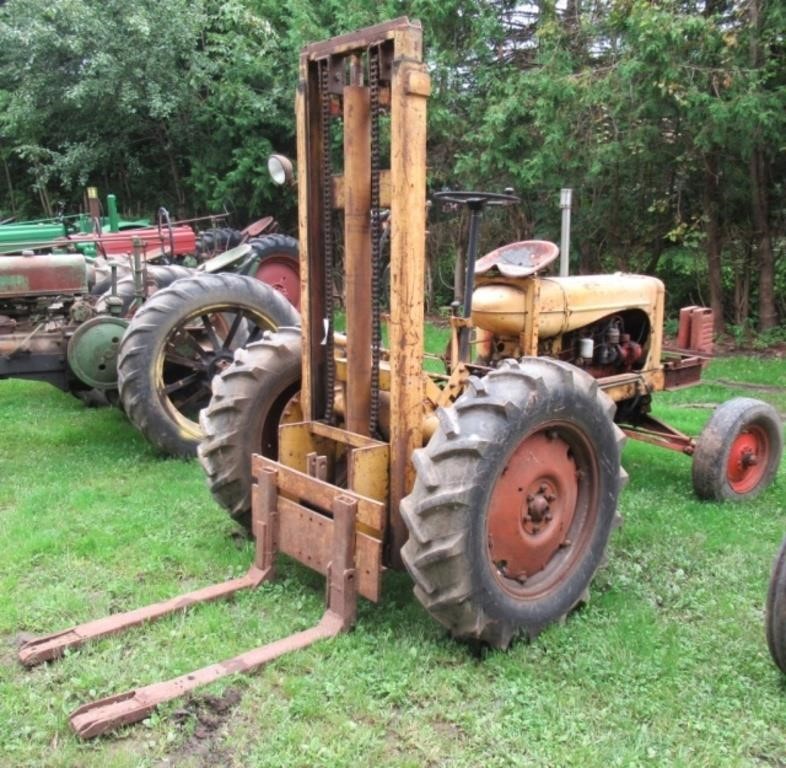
(542, 510)
(283, 274)
(747, 461)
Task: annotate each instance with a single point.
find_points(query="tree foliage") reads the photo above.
(666, 118)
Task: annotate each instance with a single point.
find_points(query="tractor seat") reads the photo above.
(518, 259)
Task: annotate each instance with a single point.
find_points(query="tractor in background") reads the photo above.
(65, 313)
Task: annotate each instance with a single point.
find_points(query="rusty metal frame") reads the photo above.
(648, 429)
(683, 372)
(409, 90)
(103, 715)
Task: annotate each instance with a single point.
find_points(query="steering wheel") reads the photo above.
(163, 219)
(475, 200)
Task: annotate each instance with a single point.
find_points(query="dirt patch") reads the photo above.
(10, 645)
(744, 385)
(203, 748)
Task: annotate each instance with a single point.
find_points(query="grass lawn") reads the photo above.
(667, 665)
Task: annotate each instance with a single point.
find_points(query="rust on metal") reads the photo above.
(306, 521)
(357, 256)
(316, 492)
(684, 372)
(331, 75)
(648, 429)
(42, 275)
(317, 466)
(532, 505)
(543, 507)
(305, 535)
(520, 259)
(361, 39)
(748, 459)
(407, 278)
(99, 717)
(264, 519)
(54, 646)
(106, 714)
(259, 227)
(269, 512)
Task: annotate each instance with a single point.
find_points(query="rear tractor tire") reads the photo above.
(277, 263)
(250, 398)
(514, 500)
(211, 242)
(738, 452)
(179, 340)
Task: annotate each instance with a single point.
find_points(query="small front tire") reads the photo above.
(738, 452)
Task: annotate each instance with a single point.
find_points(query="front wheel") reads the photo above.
(179, 340)
(514, 501)
(739, 451)
(250, 398)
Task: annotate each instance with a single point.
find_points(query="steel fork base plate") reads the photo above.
(98, 717)
(55, 645)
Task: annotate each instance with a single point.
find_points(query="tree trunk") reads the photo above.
(11, 195)
(174, 172)
(713, 244)
(766, 263)
(758, 177)
(742, 287)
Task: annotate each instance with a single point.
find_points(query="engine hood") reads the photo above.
(42, 275)
(564, 303)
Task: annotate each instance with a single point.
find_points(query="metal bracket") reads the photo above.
(648, 429)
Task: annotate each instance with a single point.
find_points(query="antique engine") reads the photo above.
(602, 323)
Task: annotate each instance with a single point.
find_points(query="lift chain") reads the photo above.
(327, 236)
(376, 238)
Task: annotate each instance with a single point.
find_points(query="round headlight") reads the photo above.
(280, 168)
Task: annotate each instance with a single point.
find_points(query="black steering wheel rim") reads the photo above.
(475, 199)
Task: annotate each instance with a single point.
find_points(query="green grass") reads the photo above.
(667, 665)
